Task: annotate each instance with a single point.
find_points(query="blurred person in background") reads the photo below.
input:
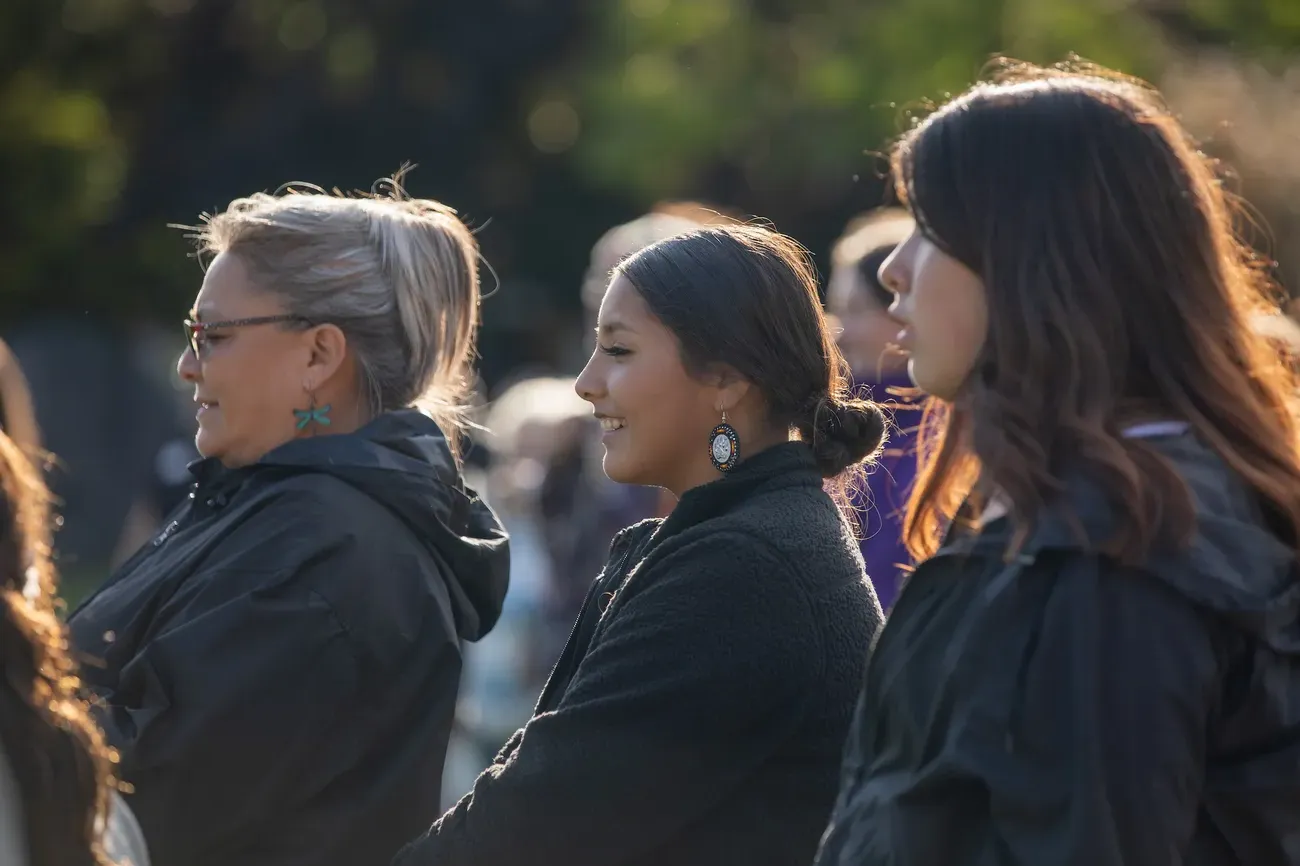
(1097, 659)
(279, 666)
(697, 714)
(58, 806)
(527, 426)
(858, 304)
(166, 486)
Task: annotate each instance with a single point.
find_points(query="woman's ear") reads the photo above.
(329, 348)
(731, 387)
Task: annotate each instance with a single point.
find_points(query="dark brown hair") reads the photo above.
(57, 753)
(746, 298)
(1117, 290)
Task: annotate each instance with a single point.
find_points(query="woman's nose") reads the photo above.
(587, 385)
(188, 366)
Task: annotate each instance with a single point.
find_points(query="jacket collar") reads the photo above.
(1234, 565)
(789, 464)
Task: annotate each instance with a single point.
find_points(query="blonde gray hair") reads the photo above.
(882, 227)
(398, 275)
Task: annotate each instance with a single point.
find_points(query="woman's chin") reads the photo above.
(621, 470)
(211, 446)
(940, 388)
(613, 468)
(207, 443)
(928, 384)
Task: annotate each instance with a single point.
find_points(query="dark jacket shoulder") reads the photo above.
(279, 668)
(1063, 707)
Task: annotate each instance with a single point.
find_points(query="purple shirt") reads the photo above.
(882, 502)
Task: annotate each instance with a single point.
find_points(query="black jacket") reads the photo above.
(698, 712)
(1062, 709)
(279, 667)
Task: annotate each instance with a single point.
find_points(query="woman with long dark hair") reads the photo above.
(57, 805)
(1097, 660)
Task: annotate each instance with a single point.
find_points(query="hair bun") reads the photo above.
(844, 433)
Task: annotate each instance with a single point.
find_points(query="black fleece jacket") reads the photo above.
(698, 712)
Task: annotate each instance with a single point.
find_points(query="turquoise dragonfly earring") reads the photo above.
(319, 416)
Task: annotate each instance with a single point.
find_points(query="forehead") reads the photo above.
(227, 291)
(623, 305)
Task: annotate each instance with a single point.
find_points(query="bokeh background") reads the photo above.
(545, 123)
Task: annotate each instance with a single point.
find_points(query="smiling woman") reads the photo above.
(680, 370)
(698, 712)
(279, 667)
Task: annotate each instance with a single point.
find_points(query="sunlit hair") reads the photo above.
(57, 753)
(17, 412)
(398, 275)
(1118, 290)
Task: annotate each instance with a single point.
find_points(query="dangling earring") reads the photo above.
(313, 415)
(724, 446)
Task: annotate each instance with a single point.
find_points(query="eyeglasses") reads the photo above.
(195, 332)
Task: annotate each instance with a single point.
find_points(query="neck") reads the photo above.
(343, 417)
(706, 473)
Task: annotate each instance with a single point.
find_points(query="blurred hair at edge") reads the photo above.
(1090, 276)
(56, 753)
(17, 411)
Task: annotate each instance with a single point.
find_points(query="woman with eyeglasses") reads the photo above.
(278, 668)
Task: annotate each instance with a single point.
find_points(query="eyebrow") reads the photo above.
(611, 327)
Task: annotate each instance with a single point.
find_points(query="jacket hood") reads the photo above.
(1235, 565)
(402, 460)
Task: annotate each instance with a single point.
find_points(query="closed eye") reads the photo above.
(614, 351)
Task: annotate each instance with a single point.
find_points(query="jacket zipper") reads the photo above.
(167, 533)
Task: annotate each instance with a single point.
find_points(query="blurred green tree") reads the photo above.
(551, 118)
(779, 103)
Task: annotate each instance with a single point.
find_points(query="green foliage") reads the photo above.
(792, 93)
(107, 106)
